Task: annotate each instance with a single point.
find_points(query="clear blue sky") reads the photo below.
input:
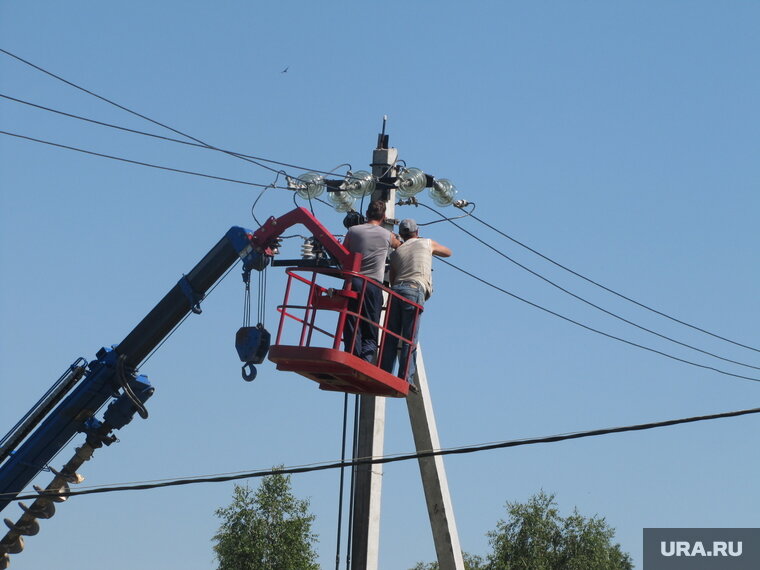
(620, 139)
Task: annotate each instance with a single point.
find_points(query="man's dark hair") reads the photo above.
(353, 219)
(376, 210)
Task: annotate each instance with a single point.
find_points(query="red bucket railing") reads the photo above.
(326, 310)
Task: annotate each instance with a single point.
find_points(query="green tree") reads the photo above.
(471, 562)
(266, 529)
(536, 537)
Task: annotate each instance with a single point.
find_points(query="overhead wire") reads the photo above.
(138, 162)
(462, 450)
(341, 491)
(196, 143)
(446, 218)
(254, 160)
(320, 200)
(261, 195)
(248, 158)
(135, 113)
(352, 484)
(608, 289)
(590, 303)
(470, 214)
(169, 139)
(342, 463)
(592, 329)
(469, 233)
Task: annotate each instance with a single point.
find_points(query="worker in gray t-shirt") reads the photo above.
(374, 242)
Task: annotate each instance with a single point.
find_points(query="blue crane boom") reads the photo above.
(71, 405)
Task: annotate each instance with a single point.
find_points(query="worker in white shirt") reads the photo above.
(411, 277)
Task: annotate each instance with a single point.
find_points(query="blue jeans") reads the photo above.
(365, 344)
(401, 322)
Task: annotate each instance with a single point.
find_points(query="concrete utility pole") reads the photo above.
(434, 482)
(368, 479)
(365, 546)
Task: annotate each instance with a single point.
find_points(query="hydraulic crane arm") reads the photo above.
(58, 417)
(254, 248)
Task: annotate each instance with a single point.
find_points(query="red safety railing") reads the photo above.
(322, 309)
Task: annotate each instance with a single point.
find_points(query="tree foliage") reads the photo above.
(471, 562)
(535, 537)
(266, 529)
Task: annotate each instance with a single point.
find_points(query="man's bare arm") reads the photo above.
(440, 250)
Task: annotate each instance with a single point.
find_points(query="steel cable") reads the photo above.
(594, 305)
(609, 290)
(462, 450)
(608, 335)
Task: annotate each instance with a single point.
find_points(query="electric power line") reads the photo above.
(135, 113)
(589, 328)
(590, 303)
(164, 138)
(206, 145)
(265, 186)
(140, 163)
(200, 144)
(254, 160)
(395, 458)
(444, 218)
(609, 290)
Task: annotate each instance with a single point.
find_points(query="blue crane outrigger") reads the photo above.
(70, 406)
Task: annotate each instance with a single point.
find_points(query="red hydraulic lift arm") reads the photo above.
(266, 235)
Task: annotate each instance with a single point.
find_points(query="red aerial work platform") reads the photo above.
(325, 311)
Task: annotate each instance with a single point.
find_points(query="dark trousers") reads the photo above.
(365, 343)
(404, 321)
